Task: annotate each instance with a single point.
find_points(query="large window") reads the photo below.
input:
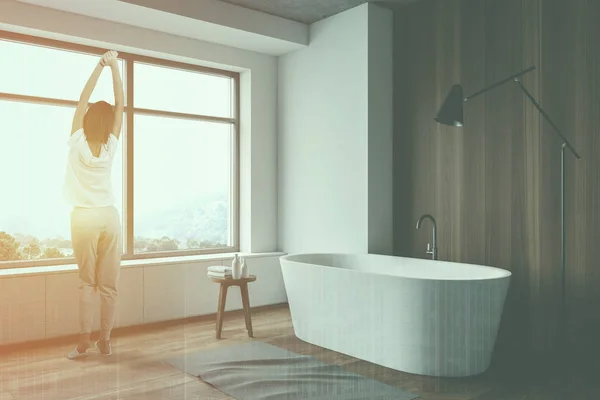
(175, 177)
(182, 197)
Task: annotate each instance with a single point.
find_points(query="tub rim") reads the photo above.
(506, 274)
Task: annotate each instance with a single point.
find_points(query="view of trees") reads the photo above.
(165, 243)
(199, 223)
(9, 248)
(12, 249)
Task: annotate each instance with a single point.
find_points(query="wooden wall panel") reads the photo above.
(413, 141)
(504, 119)
(447, 142)
(571, 40)
(494, 185)
(473, 78)
(529, 139)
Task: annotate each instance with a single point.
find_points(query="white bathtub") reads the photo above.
(419, 316)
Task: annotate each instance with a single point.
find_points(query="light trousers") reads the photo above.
(97, 246)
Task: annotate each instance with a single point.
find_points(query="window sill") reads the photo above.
(147, 262)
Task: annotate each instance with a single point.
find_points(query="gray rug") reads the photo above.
(260, 371)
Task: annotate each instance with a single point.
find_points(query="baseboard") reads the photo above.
(130, 330)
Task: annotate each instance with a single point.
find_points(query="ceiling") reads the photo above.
(308, 11)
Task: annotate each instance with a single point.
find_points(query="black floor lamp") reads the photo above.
(451, 113)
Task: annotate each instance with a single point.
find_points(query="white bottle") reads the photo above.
(236, 268)
(245, 271)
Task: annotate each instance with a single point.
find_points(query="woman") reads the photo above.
(95, 222)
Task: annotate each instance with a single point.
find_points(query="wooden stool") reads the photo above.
(243, 284)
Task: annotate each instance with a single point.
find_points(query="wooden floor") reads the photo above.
(135, 370)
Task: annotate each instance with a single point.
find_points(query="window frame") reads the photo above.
(128, 138)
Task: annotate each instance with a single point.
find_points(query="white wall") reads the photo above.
(328, 119)
(42, 306)
(258, 97)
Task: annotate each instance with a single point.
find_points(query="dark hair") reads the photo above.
(98, 122)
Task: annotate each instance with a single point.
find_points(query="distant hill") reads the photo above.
(201, 219)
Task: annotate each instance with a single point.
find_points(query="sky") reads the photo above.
(175, 160)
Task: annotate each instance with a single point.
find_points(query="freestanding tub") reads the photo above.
(419, 316)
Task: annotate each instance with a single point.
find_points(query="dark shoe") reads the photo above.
(104, 347)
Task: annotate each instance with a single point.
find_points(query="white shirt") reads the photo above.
(87, 181)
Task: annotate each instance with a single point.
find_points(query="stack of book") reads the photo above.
(219, 271)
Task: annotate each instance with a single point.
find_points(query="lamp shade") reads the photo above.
(451, 111)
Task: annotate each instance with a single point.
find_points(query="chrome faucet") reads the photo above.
(433, 251)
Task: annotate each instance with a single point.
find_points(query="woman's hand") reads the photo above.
(109, 58)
